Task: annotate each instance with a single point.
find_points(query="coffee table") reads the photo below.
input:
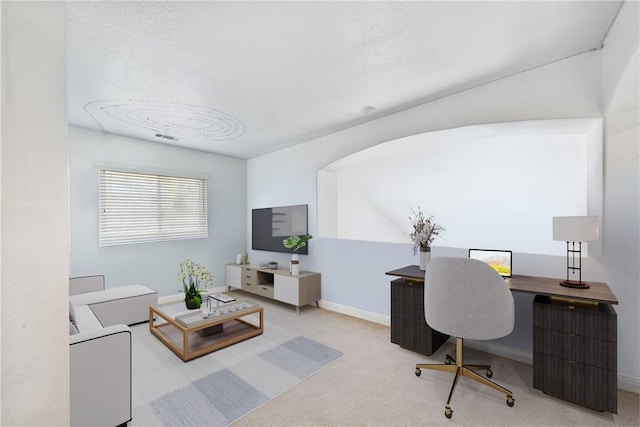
(189, 335)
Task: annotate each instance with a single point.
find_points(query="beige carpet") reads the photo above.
(374, 384)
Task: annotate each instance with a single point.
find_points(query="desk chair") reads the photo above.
(466, 298)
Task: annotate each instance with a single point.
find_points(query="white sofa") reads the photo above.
(100, 349)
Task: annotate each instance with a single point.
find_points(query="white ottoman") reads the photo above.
(122, 305)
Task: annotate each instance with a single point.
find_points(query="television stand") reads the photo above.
(276, 284)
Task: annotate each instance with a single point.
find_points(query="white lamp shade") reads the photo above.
(575, 228)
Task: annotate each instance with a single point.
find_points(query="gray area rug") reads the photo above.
(222, 397)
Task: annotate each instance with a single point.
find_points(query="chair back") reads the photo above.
(466, 298)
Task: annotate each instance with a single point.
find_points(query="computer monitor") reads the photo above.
(500, 260)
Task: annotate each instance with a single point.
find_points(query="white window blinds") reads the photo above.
(139, 208)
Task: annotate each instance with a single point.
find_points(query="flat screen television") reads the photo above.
(270, 226)
(500, 260)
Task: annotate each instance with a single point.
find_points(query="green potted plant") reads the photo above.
(296, 242)
(194, 275)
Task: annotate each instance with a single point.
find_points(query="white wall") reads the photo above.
(35, 232)
(621, 253)
(565, 89)
(153, 264)
(353, 277)
(482, 183)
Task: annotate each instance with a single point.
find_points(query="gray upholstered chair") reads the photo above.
(466, 298)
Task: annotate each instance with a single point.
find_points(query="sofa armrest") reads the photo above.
(99, 333)
(100, 377)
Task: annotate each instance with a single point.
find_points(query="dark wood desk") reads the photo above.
(596, 293)
(574, 334)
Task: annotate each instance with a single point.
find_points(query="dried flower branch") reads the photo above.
(425, 230)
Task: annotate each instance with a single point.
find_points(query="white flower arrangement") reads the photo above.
(194, 275)
(425, 230)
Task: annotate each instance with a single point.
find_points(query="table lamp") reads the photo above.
(575, 229)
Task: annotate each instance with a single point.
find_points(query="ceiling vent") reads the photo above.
(169, 137)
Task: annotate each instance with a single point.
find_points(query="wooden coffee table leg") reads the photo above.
(185, 345)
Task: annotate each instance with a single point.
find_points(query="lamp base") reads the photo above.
(574, 284)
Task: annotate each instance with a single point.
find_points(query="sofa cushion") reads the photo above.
(110, 294)
(125, 304)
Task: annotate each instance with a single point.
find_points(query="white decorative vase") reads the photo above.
(294, 266)
(425, 257)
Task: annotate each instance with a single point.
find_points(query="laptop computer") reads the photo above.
(500, 260)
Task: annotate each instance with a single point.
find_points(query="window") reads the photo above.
(138, 208)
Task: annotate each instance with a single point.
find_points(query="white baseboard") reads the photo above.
(624, 382)
(356, 312)
(170, 298)
(629, 383)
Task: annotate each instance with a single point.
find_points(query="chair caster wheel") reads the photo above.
(448, 412)
(510, 401)
(418, 372)
(489, 373)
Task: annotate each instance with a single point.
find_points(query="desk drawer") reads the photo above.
(576, 382)
(591, 351)
(410, 292)
(599, 322)
(410, 335)
(408, 311)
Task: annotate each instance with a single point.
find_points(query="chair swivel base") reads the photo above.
(456, 366)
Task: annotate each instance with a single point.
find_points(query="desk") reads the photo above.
(574, 334)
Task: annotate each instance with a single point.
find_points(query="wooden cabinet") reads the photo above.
(408, 327)
(575, 351)
(233, 276)
(277, 284)
(297, 290)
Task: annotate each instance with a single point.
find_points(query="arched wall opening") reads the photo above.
(490, 186)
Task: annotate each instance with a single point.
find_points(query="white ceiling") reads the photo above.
(247, 78)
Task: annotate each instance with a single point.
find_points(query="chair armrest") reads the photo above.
(100, 376)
